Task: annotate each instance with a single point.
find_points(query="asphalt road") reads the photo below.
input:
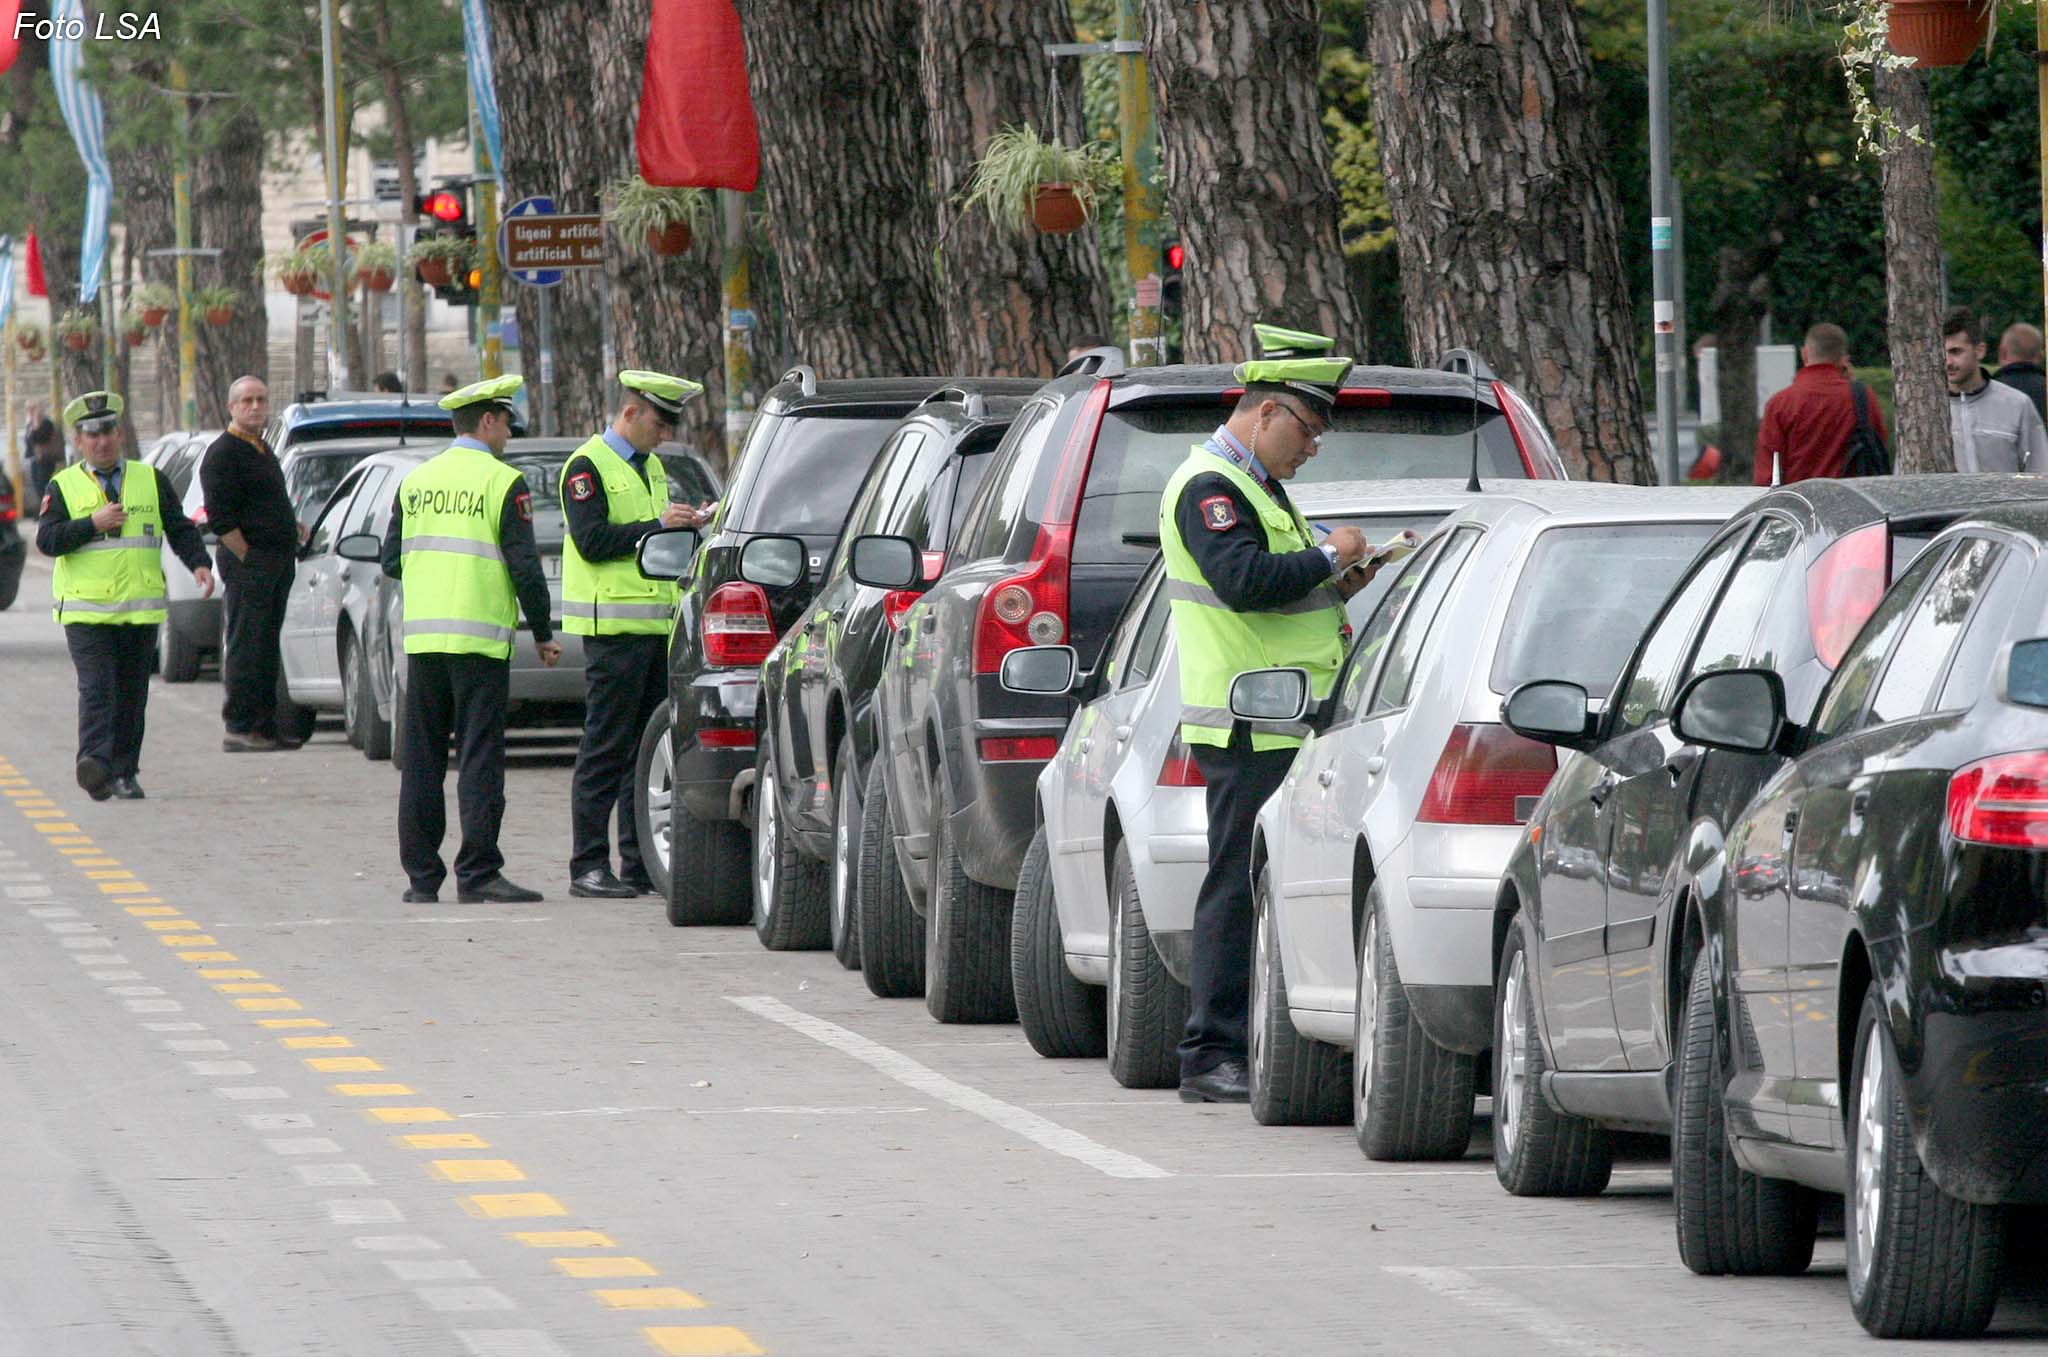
(255, 1105)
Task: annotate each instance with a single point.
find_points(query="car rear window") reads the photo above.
(813, 469)
(327, 431)
(1599, 584)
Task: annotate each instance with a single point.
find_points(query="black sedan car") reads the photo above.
(1866, 1016)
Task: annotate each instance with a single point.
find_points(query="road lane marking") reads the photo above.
(207, 956)
(563, 1239)
(216, 973)
(648, 1298)
(247, 987)
(334, 1175)
(509, 1343)
(341, 1064)
(238, 1068)
(266, 1005)
(1019, 1121)
(252, 1094)
(513, 1206)
(363, 1211)
(278, 1121)
(1530, 1318)
(196, 1044)
(397, 1243)
(409, 1114)
(478, 1171)
(464, 1298)
(327, 1043)
(303, 1145)
(701, 1341)
(587, 1269)
(372, 1090)
(278, 1023)
(432, 1269)
(455, 1140)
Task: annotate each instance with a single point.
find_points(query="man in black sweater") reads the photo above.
(248, 505)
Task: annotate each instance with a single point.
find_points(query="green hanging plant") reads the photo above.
(1026, 183)
(76, 329)
(376, 265)
(219, 303)
(153, 301)
(668, 219)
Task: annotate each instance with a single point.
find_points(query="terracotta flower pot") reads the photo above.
(1056, 210)
(377, 280)
(1938, 32)
(298, 284)
(434, 272)
(153, 316)
(28, 339)
(135, 336)
(672, 239)
(78, 342)
(219, 315)
(38, 354)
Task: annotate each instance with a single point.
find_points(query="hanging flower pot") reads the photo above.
(218, 303)
(152, 302)
(1056, 210)
(38, 354)
(1938, 32)
(135, 335)
(1026, 183)
(78, 341)
(377, 280)
(670, 240)
(153, 316)
(29, 337)
(668, 219)
(298, 284)
(219, 315)
(377, 265)
(434, 272)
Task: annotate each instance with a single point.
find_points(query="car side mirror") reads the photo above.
(2026, 673)
(774, 562)
(1551, 711)
(667, 554)
(1740, 710)
(1040, 670)
(883, 562)
(359, 546)
(1270, 696)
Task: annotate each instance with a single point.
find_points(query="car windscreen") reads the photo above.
(1139, 447)
(1379, 529)
(1597, 586)
(812, 471)
(310, 478)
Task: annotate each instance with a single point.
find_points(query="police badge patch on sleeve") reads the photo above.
(581, 487)
(49, 498)
(1219, 513)
(524, 504)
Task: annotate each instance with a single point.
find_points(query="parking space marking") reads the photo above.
(910, 1073)
(1537, 1322)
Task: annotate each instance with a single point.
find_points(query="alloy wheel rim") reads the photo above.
(1262, 998)
(1365, 1023)
(660, 795)
(842, 854)
(1870, 1146)
(765, 846)
(1514, 1058)
(351, 682)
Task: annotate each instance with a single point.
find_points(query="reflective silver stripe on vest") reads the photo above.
(461, 546)
(1316, 601)
(1219, 718)
(122, 544)
(126, 605)
(619, 612)
(455, 626)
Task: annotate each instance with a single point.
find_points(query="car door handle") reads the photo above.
(1677, 765)
(1791, 827)
(1122, 733)
(1086, 745)
(1326, 777)
(1375, 765)
(1602, 789)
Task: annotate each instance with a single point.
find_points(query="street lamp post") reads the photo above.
(1663, 272)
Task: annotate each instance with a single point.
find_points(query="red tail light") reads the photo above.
(2001, 801)
(1482, 772)
(1180, 768)
(897, 602)
(714, 738)
(1843, 587)
(739, 631)
(1020, 749)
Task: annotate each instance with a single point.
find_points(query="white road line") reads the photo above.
(195, 1044)
(1532, 1319)
(30, 892)
(85, 944)
(509, 1343)
(363, 1211)
(302, 1145)
(72, 926)
(251, 1094)
(101, 959)
(53, 912)
(217, 1068)
(432, 1269)
(1017, 1120)
(174, 1027)
(134, 991)
(104, 976)
(451, 1299)
(153, 1005)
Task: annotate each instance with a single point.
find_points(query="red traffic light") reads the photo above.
(1176, 255)
(444, 206)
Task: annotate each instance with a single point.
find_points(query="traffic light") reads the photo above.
(1172, 255)
(445, 213)
(444, 206)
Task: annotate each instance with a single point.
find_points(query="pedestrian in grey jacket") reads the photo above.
(1994, 426)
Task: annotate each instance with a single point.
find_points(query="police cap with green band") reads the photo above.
(1277, 342)
(94, 412)
(1315, 380)
(664, 394)
(494, 391)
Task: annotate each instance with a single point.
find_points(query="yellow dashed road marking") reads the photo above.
(62, 829)
(331, 1042)
(650, 1298)
(606, 1267)
(250, 989)
(122, 887)
(564, 1239)
(170, 925)
(341, 1064)
(401, 1115)
(231, 975)
(153, 911)
(208, 956)
(189, 940)
(701, 1341)
(266, 1005)
(86, 845)
(445, 1140)
(478, 1171)
(513, 1205)
(289, 1022)
(371, 1090)
(109, 876)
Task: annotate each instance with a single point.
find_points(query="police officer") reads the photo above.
(614, 492)
(105, 520)
(462, 539)
(1249, 588)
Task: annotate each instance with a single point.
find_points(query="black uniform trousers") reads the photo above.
(250, 663)
(112, 660)
(466, 696)
(626, 678)
(1220, 973)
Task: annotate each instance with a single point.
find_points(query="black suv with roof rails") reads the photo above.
(810, 446)
(1049, 553)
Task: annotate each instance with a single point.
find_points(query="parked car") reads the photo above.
(1865, 1013)
(1049, 554)
(313, 470)
(1377, 862)
(1590, 964)
(191, 629)
(1099, 939)
(320, 416)
(809, 448)
(817, 735)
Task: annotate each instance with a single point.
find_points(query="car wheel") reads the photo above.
(966, 939)
(1730, 1221)
(891, 933)
(846, 820)
(711, 885)
(1922, 1264)
(791, 911)
(1537, 1150)
(1411, 1099)
(293, 721)
(368, 731)
(351, 713)
(1146, 1009)
(1296, 1080)
(11, 563)
(1062, 1017)
(180, 655)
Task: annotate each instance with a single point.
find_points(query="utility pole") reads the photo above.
(1141, 201)
(181, 212)
(337, 227)
(1662, 271)
(739, 327)
(489, 334)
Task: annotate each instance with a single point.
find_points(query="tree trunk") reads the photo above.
(411, 297)
(1505, 213)
(1912, 268)
(1742, 290)
(845, 165)
(227, 215)
(1248, 172)
(1014, 300)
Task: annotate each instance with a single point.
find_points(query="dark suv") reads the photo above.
(817, 685)
(811, 444)
(1049, 553)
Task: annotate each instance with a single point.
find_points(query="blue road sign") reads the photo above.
(539, 205)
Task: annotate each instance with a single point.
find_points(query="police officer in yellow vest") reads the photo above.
(615, 492)
(105, 520)
(1250, 588)
(462, 539)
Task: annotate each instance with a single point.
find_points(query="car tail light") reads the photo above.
(1507, 408)
(1180, 768)
(1843, 588)
(2001, 801)
(1481, 775)
(739, 630)
(714, 738)
(1019, 748)
(897, 602)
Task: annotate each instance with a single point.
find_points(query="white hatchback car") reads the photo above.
(1105, 899)
(1377, 862)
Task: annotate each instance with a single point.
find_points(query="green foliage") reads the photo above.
(1017, 161)
(1988, 170)
(155, 297)
(77, 321)
(636, 208)
(459, 251)
(216, 298)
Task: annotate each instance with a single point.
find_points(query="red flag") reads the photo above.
(696, 120)
(10, 46)
(37, 286)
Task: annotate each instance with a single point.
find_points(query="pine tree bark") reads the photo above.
(1912, 268)
(1013, 300)
(412, 300)
(1248, 172)
(1506, 214)
(227, 214)
(848, 179)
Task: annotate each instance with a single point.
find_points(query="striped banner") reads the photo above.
(88, 124)
(6, 279)
(483, 92)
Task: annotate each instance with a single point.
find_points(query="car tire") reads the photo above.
(1731, 1222)
(180, 655)
(1411, 1099)
(1062, 1017)
(351, 712)
(891, 933)
(11, 563)
(1922, 1264)
(792, 905)
(1537, 1150)
(845, 883)
(712, 886)
(293, 721)
(1146, 1009)
(368, 731)
(1295, 1080)
(966, 939)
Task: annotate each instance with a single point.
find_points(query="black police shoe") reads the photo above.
(496, 891)
(641, 883)
(127, 788)
(598, 883)
(415, 896)
(96, 778)
(1229, 1082)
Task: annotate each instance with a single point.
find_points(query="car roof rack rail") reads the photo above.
(805, 376)
(971, 403)
(308, 397)
(1468, 362)
(1107, 361)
